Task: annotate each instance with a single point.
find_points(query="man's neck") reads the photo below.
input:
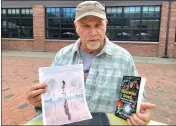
(88, 51)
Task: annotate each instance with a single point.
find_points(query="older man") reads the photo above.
(104, 63)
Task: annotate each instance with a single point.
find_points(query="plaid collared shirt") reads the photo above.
(103, 82)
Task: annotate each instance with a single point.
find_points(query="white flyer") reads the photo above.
(64, 101)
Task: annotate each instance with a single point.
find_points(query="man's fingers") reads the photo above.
(148, 106)
(38, 86)
(138, 120)
(129, 122)
(36, 92)
(143, 111)
(38, 98)
(37, 104)
(143, 117)
(36, 101)
(133, 121)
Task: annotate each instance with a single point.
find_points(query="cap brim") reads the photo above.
(91, 14)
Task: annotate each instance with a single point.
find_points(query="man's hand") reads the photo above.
(142, 117)
(34, 94)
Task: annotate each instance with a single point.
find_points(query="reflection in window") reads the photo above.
(150, 23)
(26, 23)
(3, 23)
(53, 23)
(131, 23)
(13, 23)
(135, 23)
(114, 12)
(53, 33)
(59, 23)
(149, 34)
(13, 33)
(149, 11)
(17, 23)
(3, 11)
(132, 11)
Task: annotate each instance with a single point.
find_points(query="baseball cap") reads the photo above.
(87, 8)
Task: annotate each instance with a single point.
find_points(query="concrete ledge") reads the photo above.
(135, 42)
(138, 59)
(29, 54)
(17, 39)
(58, 40)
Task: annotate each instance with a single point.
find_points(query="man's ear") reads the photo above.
(76, 27)
(75, 23)
(106, 22)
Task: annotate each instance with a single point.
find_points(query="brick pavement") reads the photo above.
(20, 73)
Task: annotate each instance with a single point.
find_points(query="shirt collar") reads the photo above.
(106, 49)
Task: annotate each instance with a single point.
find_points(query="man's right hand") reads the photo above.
(34, 94)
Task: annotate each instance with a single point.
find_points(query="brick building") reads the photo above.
(144, 28)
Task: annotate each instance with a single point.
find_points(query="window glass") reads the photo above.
(61, 25)
(136, 23)
(17, 23)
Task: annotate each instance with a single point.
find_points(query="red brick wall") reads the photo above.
(39, 27)
(141, 48)
(17, 44)
(163, 29)
(135, 48)
(172, 30)
(175, 51)
(56, 45)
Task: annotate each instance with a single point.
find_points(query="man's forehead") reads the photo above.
(91, 18)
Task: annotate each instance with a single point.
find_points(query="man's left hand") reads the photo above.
(142, 117)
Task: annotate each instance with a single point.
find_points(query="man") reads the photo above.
(105, 63)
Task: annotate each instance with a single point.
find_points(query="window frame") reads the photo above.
(121, 28)
(141, 17)
(61, 28)
(20, 28)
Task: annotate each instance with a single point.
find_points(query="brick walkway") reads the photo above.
(20, 73)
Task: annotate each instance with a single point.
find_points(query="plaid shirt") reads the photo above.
(103, 82)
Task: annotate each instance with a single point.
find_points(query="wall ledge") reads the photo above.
(16, 39)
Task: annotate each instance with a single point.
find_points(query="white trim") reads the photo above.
(59, 40)
(135, 42)
(17, 39)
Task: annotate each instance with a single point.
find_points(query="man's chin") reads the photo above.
(93, 47)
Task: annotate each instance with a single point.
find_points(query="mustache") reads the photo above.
(92, 39)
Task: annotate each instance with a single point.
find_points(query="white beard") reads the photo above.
(93, 45)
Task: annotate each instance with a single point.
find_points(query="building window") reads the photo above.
(16, 23)
(59, 23)
(134, 23)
